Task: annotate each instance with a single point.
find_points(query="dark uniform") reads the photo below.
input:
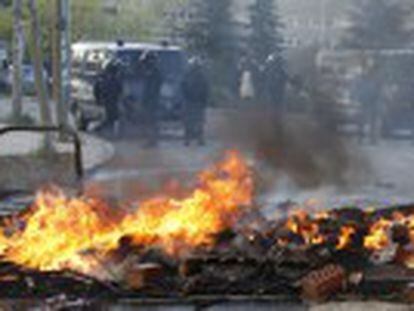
(368, 93)
(275, 80)
(152, 82)
(195, 91)
(107, 92)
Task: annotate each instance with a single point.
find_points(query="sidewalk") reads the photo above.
(96, 151)
(24, 167)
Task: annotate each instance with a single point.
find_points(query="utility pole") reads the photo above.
(17, 58)
(61, 59)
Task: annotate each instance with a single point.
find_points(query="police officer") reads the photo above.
(107, 91)
(195, 90)
(275, 79)
(152, 82)
(368, 94)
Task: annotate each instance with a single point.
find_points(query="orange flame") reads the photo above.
(300, 223)
(214, 205)
(61, 232)
(60, 229)
(345, 237)
(378, 237)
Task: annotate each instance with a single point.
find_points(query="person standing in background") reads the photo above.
(107, 92)
(195, 89)
(152, 82)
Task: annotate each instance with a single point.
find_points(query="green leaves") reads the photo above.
(265, 37)
(6, 24)
(378, 24)
(212, 33)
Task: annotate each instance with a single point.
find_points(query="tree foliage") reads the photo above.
(265, 37)
(89, 21)
(211, 30)
(6, 24)
(213, 34)
(377, 24)
(6, 3)
(129, 20)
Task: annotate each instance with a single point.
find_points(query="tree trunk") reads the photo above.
(56, 57)
(18, 50)
(60, 54)
(41, 89)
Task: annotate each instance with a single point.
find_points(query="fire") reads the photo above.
(301, 224)
(378, 237)
(345, 237)
(62, 232)
(58, 229)
(81, 233)
(215, 204)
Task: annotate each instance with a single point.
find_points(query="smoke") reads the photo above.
(295, 149)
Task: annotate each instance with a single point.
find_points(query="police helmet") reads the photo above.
(195, 62)
(271, 58)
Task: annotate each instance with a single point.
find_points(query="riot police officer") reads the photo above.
(275, 80)
(152, 82)
(195, 90)
(368, 93)
(107, 92)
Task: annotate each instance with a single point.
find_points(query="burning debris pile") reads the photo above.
(211, 241)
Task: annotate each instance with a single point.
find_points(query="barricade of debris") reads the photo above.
(345, 254)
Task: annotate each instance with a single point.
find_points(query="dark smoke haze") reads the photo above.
(310, 155)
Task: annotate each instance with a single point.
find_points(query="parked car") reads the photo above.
(28, 78)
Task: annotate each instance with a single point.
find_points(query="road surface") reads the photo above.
(381, 173)
(375, 175)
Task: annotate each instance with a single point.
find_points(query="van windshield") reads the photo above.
(172, 63)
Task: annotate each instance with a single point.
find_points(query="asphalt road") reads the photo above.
(375, 175)
(381, 173)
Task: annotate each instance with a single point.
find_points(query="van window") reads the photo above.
(172, 63)
(130, 60)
